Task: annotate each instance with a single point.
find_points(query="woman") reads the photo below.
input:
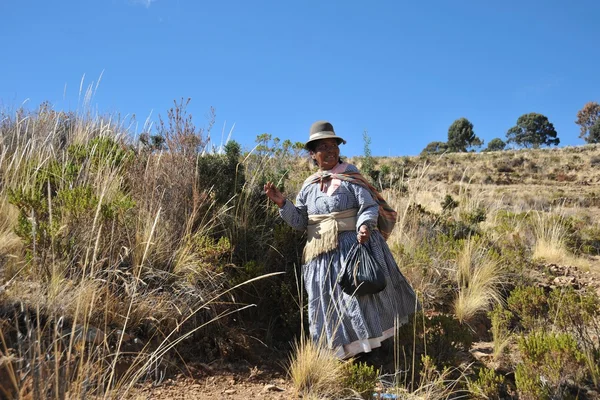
(347, 324)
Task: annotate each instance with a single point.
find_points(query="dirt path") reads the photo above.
(225, 382)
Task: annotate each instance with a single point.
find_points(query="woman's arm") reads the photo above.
(368, 210)
(296, 216)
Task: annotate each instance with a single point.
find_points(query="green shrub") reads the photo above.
(530, 305)
(500, 319)
(222, 174)
(449, 204)
(102, 150)
(488, 385)
(549, 362)
(475, 216)
(441, 336)
(360, 378)
(578, 314)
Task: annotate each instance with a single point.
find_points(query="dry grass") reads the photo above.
(88, 270)
(315, 370)
(550, 238)
(10, 243)
(432, 385)
(89, 281)
(479, 278)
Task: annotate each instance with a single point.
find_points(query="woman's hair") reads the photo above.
(312, 146)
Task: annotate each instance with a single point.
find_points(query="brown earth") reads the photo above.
(225, 381)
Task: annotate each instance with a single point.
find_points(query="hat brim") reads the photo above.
(321, 136)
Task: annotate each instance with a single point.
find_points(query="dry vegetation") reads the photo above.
(123, 259)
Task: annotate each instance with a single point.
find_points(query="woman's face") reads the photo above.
(326, 153)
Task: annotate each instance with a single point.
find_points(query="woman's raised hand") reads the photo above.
(274, 194)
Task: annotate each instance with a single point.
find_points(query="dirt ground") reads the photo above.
(221, 381)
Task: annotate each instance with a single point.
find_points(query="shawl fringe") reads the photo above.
(322, 232)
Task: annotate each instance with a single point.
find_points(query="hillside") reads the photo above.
(126, 263)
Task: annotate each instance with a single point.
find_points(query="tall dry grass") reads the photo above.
(479, 277)
(107, 269)
(315, 370)
(550, 237)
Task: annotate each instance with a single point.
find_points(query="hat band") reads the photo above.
(322, 134)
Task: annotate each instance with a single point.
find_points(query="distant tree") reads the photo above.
(533, 130)
(461, 136)
(586, 118)
(496, 144)
(435, 148)
(368, 164)
(594, 135)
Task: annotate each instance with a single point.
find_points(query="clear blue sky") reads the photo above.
(403, 70)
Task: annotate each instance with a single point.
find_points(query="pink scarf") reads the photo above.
(330, 185)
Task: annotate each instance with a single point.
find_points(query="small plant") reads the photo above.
(488, 385)
(315, 370)
(449, 203)
(440, 337)
(530, 305)
(432, 384)
(360, 378)
(549, 361)
(500, 319)
(479, 278)
(578, 314)
(475, 216)
(368, 164)
(551, 237)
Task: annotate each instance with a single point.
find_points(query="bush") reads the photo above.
(360, 378)
(501, 321)
(489, 385)
(435, 148)
(222, 174)
(495, 144)
(530, 305)
(578, 313)
(441, 335)
(549, 362)
(449, 204)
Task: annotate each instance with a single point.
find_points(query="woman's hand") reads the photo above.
(363, 234)
(274, 194)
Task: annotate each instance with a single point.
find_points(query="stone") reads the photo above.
(273, 388)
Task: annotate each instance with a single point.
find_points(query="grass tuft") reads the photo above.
(315, 370)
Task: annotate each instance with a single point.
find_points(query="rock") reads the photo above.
(479, 355)
(273, 388)
(230, 391)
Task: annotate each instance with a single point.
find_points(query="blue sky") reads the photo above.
(403, 70)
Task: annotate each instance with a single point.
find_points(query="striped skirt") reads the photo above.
(354, 324)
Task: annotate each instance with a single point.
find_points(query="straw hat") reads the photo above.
(322, 130)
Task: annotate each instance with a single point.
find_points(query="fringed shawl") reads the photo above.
(322, 231)
(387, 216)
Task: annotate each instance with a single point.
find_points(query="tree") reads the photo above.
(496, 144)
(586, 118)
(435, 148)
(533, 130)
(461, 136)
(594, 136)
(368, 164)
